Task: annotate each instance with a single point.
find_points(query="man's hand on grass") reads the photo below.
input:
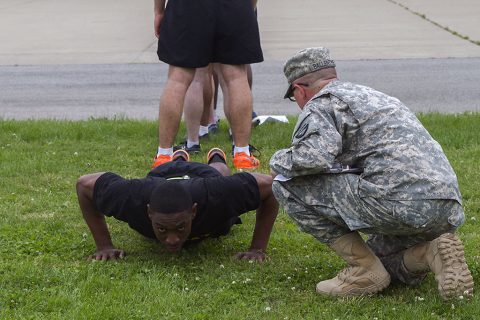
(252, 255)
(108, 254)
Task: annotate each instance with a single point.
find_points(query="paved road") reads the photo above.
(133, 90)
(79, 59)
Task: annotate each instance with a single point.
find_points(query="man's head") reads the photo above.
(308, 70)
(171, 211)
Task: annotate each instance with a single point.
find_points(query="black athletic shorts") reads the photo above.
(179, 169)
(194, 33)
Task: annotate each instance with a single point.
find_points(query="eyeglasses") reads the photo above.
(291, 97)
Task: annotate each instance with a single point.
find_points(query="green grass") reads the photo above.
(44, 241)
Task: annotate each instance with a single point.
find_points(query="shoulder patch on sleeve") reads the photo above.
(302, 129)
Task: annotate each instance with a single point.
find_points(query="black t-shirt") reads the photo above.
(220, 200)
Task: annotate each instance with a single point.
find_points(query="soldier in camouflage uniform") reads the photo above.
(360, 161)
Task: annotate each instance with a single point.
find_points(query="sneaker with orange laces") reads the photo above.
(243, 161)
(161, 159)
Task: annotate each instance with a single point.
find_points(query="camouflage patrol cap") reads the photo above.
(306, 61)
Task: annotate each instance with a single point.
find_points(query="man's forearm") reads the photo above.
(94, 219)
(265, 218)
(99, 229)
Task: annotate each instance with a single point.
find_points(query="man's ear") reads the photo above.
(304, 91)
(194, 210)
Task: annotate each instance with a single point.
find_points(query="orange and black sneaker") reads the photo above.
(180, 155)
(243, 161)
(216, 152)
(161, 159)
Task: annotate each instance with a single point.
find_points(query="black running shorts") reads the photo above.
(194, 33)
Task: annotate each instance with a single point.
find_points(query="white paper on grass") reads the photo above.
(281, 178)
(262, 119)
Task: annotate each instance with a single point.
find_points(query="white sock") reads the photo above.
(203, 130)
(241, 149)
(165, 151)
(191, 143)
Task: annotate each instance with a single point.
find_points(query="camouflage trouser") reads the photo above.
(329, 206)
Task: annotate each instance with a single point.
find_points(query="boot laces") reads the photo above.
(344, 274)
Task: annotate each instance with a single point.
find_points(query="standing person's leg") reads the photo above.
(212, 119)
(238, 110)
(193, 107)
(250, 84)
(249, 76)
(208, 112)
(197, 99)
(238, 101)
(215, 85)
(207, 119)
(170, 110)
(185, 39)
(237, 44)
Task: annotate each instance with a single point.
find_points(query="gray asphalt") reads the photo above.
(133, 90)
(98, 58)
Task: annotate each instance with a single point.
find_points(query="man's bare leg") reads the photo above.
(249, 76)
(238, 101)
(197, 100)
(208, 112)
(170, 111)
(171, 104)
(238, 109)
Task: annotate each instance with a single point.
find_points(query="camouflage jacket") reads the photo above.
(359, 126)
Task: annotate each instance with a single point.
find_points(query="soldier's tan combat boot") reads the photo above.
(364, 275)
(445, 257)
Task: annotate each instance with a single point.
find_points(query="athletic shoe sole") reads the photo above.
(215, 151)
(181, 153)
